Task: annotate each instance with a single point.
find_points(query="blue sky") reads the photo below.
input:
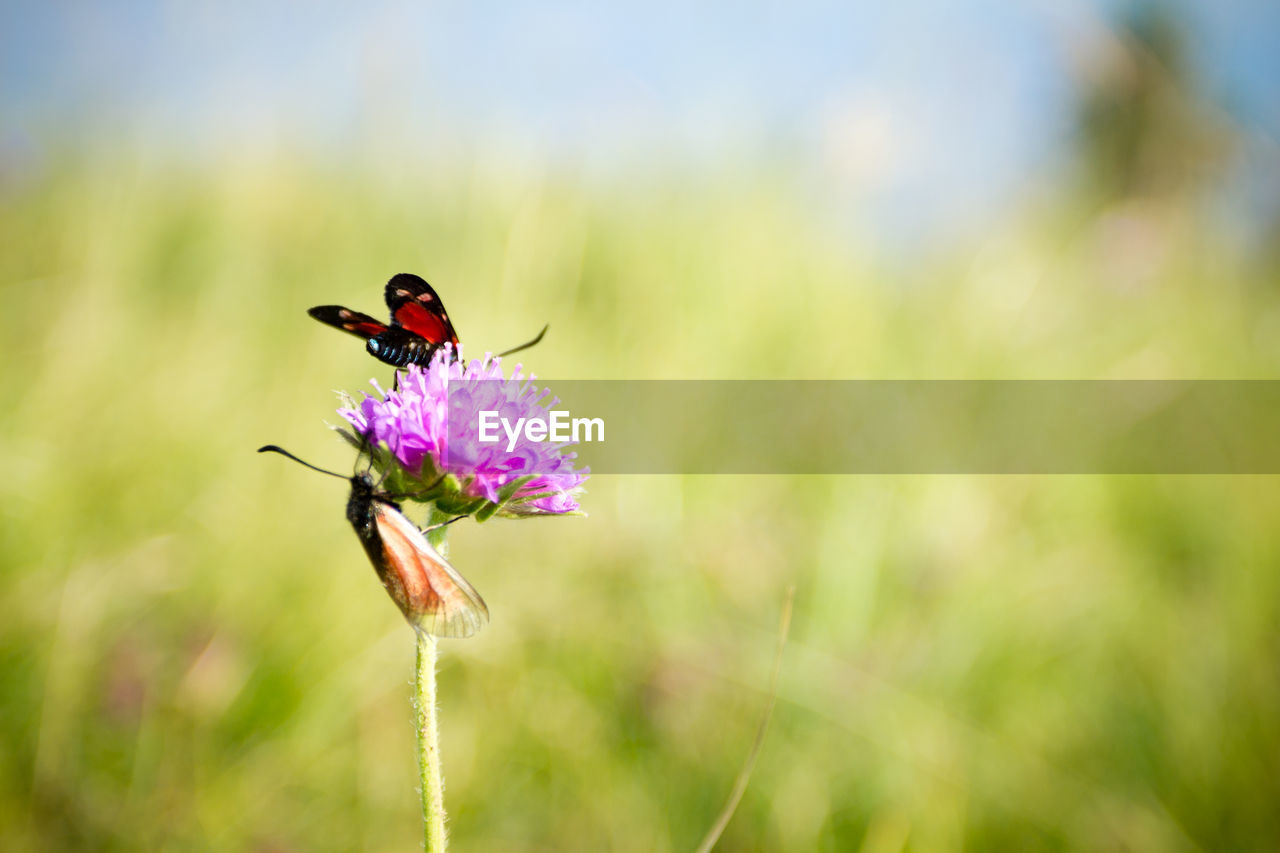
(945, 106)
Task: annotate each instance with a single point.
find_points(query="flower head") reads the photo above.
(430, 429)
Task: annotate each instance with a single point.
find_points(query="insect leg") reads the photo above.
(443, 523)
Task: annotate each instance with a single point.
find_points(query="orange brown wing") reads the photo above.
(424, 583)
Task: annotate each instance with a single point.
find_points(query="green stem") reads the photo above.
(424, 701)
(429, 745)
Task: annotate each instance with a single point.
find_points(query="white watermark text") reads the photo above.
(558, 426)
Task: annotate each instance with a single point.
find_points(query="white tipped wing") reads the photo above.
(432, 594)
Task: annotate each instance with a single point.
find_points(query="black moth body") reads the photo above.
(429, 592)
(433, 597)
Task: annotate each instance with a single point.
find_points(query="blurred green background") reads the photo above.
(194, 651)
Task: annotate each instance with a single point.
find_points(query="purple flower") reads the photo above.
(431, 427)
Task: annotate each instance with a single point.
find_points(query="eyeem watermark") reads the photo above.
(558, 427)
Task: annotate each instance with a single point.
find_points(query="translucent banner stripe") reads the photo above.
(907, 427)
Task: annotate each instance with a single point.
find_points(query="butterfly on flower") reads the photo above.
(419, 325)
(431, 594)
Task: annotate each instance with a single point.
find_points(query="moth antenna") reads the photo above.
(526, 344)
(277, 449)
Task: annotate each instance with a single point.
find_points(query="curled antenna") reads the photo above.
(526, 344)
(276, 449)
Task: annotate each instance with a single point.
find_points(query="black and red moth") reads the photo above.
(430, 593)
(419, 326)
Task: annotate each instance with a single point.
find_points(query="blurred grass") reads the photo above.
(195, 655)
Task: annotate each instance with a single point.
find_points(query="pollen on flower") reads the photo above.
(429, 425)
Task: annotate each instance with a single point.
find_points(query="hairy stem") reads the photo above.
(424, 700)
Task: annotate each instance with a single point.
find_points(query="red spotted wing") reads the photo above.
(419, 326)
